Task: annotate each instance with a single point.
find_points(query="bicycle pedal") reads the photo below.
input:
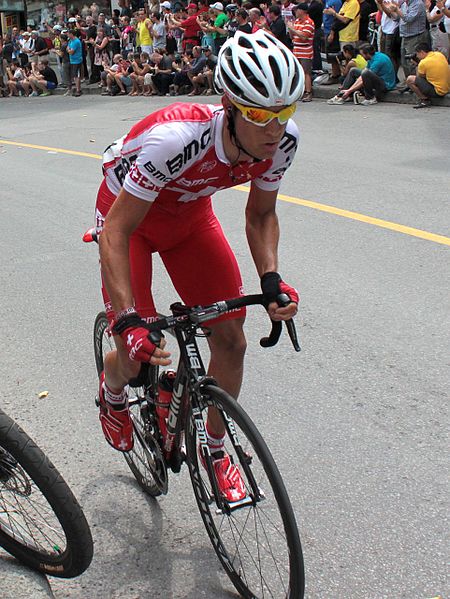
(235, 505)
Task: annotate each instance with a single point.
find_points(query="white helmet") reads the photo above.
(258, 70)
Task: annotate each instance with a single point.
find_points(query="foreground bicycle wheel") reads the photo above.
(145, 460)
(257, 544)
(41, 522)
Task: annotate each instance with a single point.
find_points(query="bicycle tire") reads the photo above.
(145, 460)
(41, 522)
(288, 581)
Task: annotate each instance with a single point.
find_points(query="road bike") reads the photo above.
(41, 522)
(256, 539)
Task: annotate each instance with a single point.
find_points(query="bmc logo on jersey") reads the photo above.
(190, 151)
(207, 166)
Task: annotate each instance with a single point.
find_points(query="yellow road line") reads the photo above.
(370, 220)
(48, 149)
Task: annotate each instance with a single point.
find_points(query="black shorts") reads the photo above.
(426, 88)
(75, 70)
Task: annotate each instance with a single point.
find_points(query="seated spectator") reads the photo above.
(162, 76)
(122, 76)
(141, 67)
(181, 67)
(43, 79)
(352, 59)
(109, 73)
(374, 81)
(206, 77)
(433, 76)
(196, 67)
(17, 83)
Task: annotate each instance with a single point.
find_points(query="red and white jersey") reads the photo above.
(177, 154)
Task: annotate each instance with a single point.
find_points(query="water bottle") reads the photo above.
(165, 388)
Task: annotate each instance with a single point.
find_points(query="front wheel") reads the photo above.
(257, 540)
(41, 522)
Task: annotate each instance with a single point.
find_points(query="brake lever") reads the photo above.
(272, 339)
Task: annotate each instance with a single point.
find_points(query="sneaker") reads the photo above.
(228, 477)
(336, 100)
(68, 93)
(44, 94)
(423, 104)
(34, 94)
(358, 98)
(369, 101)
(116, 424)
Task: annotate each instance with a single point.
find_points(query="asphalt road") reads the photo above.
(357, 420)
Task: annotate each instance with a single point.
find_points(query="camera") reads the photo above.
(412, 57)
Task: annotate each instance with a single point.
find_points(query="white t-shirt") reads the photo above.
(388, 25)
(447, 19)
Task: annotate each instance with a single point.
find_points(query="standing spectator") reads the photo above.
(219, 34)
(242, 19)
(390, 35)
(75, 51)
(143, 28)
(101, 54)
(257, 19)
(102, 24)
(90, 31)
(65, 62)
(25, 48)
(43, 79)
(205, 21)
(277, 25)
(328, 16)
(366, 8)
(127, 37)
(287, 14)
(302, 32)
(433, 76)
(315, 12)
(190, 25)
(345, 28)
(413, 30)
(40, 48)
(8, 49)
(439, 37)
(158, 31)
(232, 24)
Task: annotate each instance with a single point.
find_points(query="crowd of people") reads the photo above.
(171, 48)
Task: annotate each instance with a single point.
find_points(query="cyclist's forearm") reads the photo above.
(263, 233)
(114, 252)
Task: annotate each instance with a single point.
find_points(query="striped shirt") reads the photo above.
(303, 48)
(414, 20)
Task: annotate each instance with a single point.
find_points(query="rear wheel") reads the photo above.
(41, 522)
(257, 542)
(145, 460)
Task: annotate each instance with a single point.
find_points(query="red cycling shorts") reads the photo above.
(193, 248)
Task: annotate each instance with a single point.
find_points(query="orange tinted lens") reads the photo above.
(259, 115)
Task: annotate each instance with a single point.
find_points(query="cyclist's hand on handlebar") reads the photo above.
(272, 287)
(141, 345)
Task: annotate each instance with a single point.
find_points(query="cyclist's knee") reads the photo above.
(228, 337)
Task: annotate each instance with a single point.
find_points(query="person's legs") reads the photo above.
(374, 86)
(118, 80)
(350, 78)
(317, 45)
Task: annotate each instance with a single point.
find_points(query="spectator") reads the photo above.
(127, 37)
(242, 19)
(65, 62)
(197, 66)
(287, 14)
(190, 25)
(102, 24)
(302, 32)
(158, 31)
(75, 52)
(257, 19)
(17, 83)
(439, 37)
(101, 54)
(205, 21)
(220, 34)
(390, 35)
(140, 67)
(108, 74)
(122, 75)
(205, 78)
(375, 80)
(25, 48)
(144, 26)
(366, 8)
(433, 76)
(277, 25)
(162, 76)
(39, 47)
(345, 28)
(413, 30)
(43, 79)
(232, 25)
(181, 68)
(315, 12)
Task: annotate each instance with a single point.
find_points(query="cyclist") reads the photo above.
(156, 197)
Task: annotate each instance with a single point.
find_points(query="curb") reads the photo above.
(19, 581)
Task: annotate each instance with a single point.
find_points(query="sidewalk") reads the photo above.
(322, 92)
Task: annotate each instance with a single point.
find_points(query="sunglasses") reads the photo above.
(261, 116)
